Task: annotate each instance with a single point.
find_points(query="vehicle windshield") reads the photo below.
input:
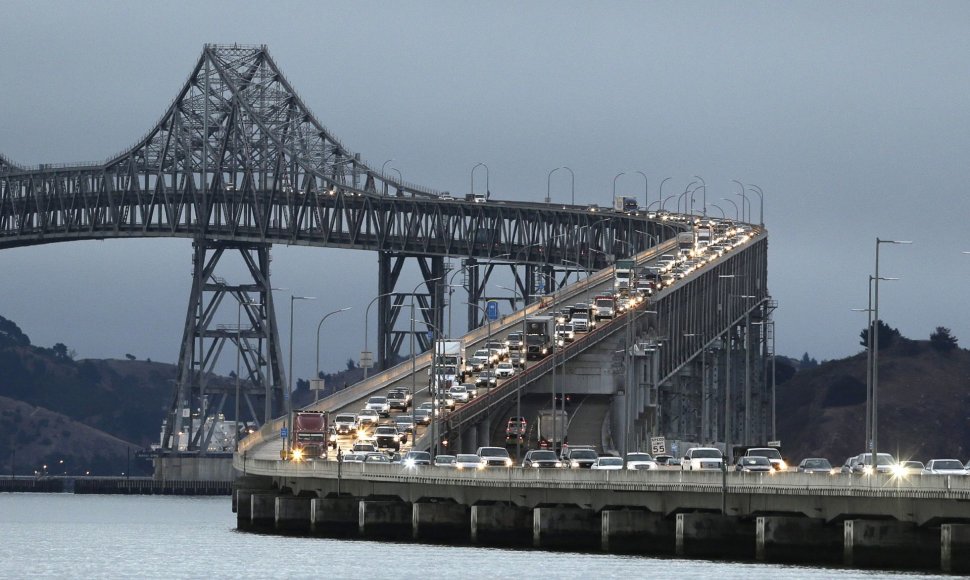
(426, 406)
(403, 419)
(818, 464)
(610, 461)
(534, 339)
(494, 452)
(883, 459)
(515, 336)
(769, 453)
(385, 431)
(466, 458)
(345, 418)
(913, 464)
(458, 389)
(583, 454)
(377, 400)
(948, 464)
(706, 454)
(604, 302)
(543, 456)
(482, 354)
(419, 455)
(638, 457)
(505, 365)
(444, 459)
(755, 460)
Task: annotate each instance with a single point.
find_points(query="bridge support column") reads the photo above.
(244, 510)
(334, 516)
(469, 440)
(637, 531)
(485, 433)
(565, 527)
(797, 539)
(889, 544)
(262, 509)
(714, 536)
(292, 514)
(384, 519)
(955, 548)
(440, 521)
(500, 524)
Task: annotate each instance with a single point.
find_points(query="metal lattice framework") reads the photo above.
(238, 158)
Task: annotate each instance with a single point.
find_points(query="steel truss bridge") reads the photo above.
(237, 163)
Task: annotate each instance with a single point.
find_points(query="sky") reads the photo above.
(851, 117)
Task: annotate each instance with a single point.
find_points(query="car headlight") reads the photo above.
(508, 462)
(574, 463)
(297, 455)
(409, 462)
(782, 466)
(833, 471)
(480, 466)
(459, 467)
(559, 464)
(867, 470)
(397, 437)
(898, 470)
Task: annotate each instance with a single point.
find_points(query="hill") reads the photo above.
(924, 405)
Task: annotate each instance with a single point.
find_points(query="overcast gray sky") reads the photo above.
(852, 117)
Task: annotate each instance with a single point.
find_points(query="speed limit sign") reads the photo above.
(658, 445)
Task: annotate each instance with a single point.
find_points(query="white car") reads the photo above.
(702, 458)
(380, 405)
(481, 360)
(640, 461)
(469, 461)
(608, 463)
(567, 332)
(944, 467)
(368, 417)
(459, 393)
(504, 370)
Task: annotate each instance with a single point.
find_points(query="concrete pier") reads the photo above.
(955, 548)
(710, 535)
(797, 539)
(636, 532)
(384, 519)
(890, 544)
(292, 514)
(565, 527)
(500, 524)
(244, 510)
(441, 521)
(262, 513)
(335, 516)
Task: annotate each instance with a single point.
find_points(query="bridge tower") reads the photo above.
(257, 390)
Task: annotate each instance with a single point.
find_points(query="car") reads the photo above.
(608, 463)
(753, 463)
(640, 461)
(513, 341)
(884, 463)
(516, 429)
(404, 423)
(580, 322)
(472, 390)
(664, 460)
(365, 446)
(444, 400)
(380, 405)
(499, 347)
(469, 461)
(368, 417)
(567, 332)
(429, 407)
(416, 458)
(579, 456)
(396, 399)
(494, 456)
(849, 466)
(541, 459)
(387, 437)
(702, 458)
(376, 458)
(459, 394)
(944, 467)
(907, 468)
(353, 457)
(345, 424)
(486, 379)
(422, 417)
(444, 460)
(772, 454)
(504, 370)
(517, 360)
(814, 465)
(481, 360)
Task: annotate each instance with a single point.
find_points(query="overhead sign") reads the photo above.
(491, 310)
(366, 359)
(658, 445)
(316, 384)
(774, 443)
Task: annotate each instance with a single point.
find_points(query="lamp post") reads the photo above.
(731, 201)
(400, 178)
(414, 392)
(613, 200)
(704, 186)
(316, 392)
(869, 311)
(646, 188)
(572, 184)
(383, 165)
(761, 209)
(661, 196)
(289, 384)
(875, 358)
(718, 209)
(523, 354)
(664, 202)
(477, 165)
(366, 314)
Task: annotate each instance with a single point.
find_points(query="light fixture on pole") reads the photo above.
(477, 165)
(875, 358)
(613, 200)
(731, 201)
(761, 210)
(704, 186)
(287, 403)
(646, 188)
(367, 363)
(866, 444)
(383, 165)
(661, 195)
(316, 391)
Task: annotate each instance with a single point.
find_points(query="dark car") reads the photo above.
(577, 457)
(485, 379)
(404, 423)
(388, 437)
(814, 465)
(754, 463)
(416, 458)
(541, 458)
(516, 429)
(397, 399)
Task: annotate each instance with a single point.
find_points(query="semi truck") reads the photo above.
(450, 354)
(553, 425)
(623, 275)
(625, 204)
(309, 437)
(538, 336)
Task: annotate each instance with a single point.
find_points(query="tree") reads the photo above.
(351, 365)
(807, 362)
(943, 340)
(11, 335)
(887, 335)
(59, 350)
(130, 356)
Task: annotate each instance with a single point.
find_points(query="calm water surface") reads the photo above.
(85, 536)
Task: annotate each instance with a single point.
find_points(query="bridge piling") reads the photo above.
(636, 531)
(711, 535)
(890, 544)
(244, 508)
(797, 539)
(385, 519)
(262, 509)
(500, 524)
(564, 527)
(440, 521)
(334, 516)
(955, 548)
(292, 514)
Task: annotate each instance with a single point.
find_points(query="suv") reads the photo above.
(494, 456)
(579, 456)
(459, 393)
(380, 405)
(397, 399)
(541, 458)
(516, 429)
(700, 458)
(388, 438)
(772, 454)
(346, 424)
(514, 341)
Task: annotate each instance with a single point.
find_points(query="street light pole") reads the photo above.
(289, 384)
(660, 198)
(366, 314)
(731, 201)
(704, 185)
(875, 358)
(646, 188)
(383, 165)
(613, 201)
(572, 184)
(761, 210)
(473, 179)
(316, 392)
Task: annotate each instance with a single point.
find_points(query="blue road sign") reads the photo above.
(541, 286)
(491, 310)
(430, 335)
(284, 432)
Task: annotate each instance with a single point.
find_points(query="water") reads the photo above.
(85, 536)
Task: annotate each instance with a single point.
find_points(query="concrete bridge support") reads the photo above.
(500, 524)
(384, 519)
(243, 505)
(484, 433)
(797, 539)
(955, 548)
(890, 544)
(292, 514)
(564, 527)
(334, 516)
(469, 439)
(262, 509)
(441, 521)
(636, 531)
(711, 535)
